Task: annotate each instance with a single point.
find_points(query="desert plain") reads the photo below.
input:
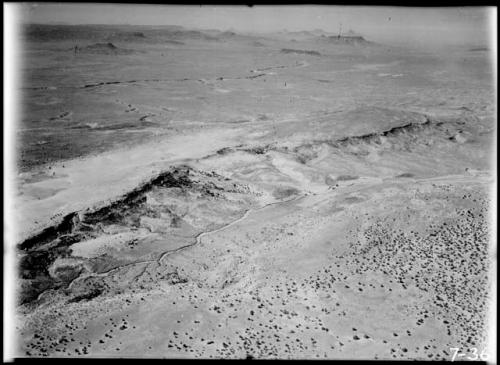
(296, 195)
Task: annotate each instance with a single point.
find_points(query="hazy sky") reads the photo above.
(390, 24)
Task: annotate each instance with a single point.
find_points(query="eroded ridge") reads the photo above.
(170, 207)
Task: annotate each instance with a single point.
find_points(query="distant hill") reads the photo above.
(479, 49)
(168, 34)
(320, 32)
(346, 39)
(229, 35)
(105, 48)
(112, 33)
(350, 37)
(300, 51)
(127, 36)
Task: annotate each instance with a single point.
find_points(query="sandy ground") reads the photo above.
(335, 207)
